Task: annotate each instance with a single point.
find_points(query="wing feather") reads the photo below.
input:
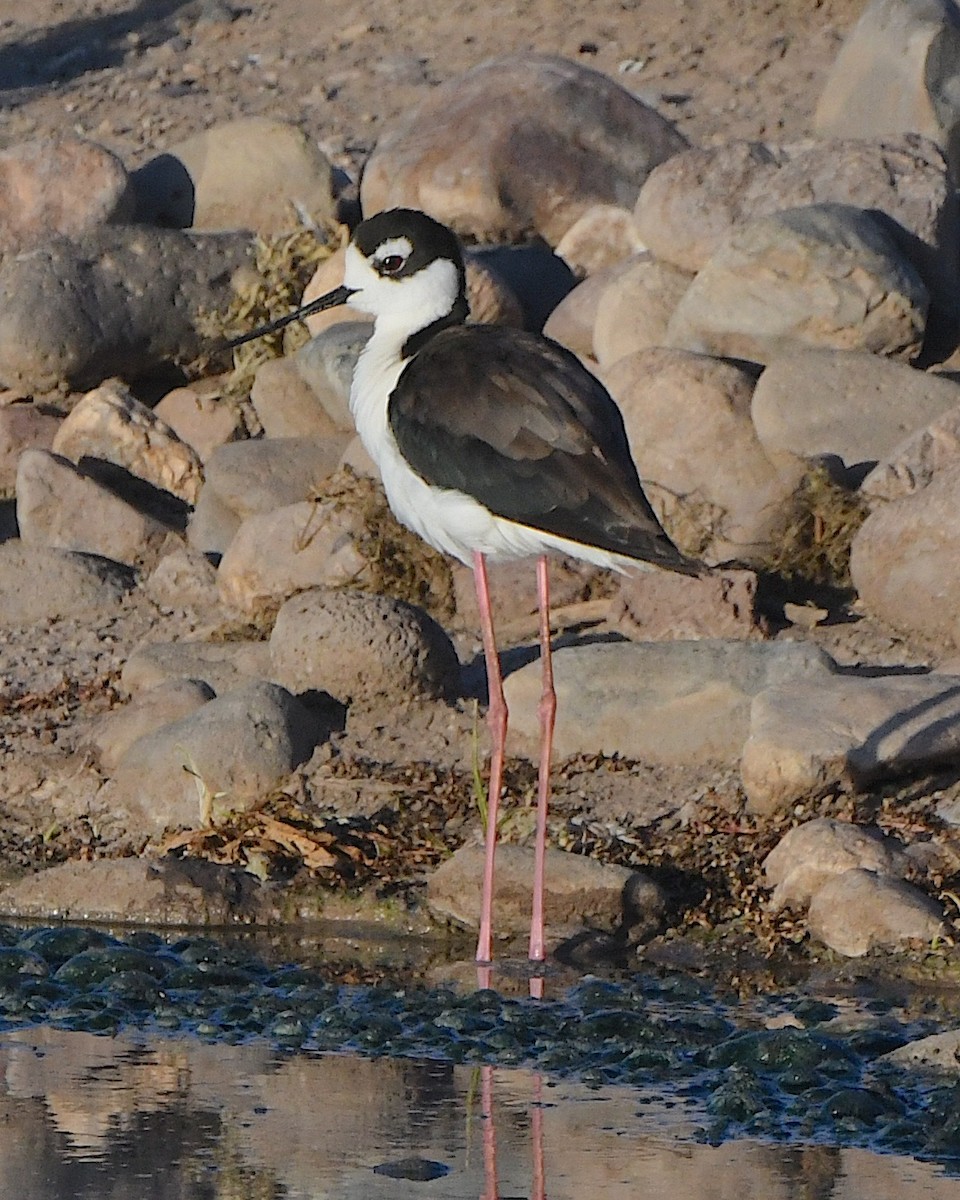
(517, 422)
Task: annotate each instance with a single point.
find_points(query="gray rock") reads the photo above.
(227, 756)
(572, 322)
(692, 203)
(262, 474)
(604, 235)
(252, 173)
(118, 302)
(212, 525)
(905, 561)
(326, 364)
(22, 427)
(114, 733)
(816, 851)
(183, 578)
(286, 405)
(137, 891)
(858, 911)
(912, 464)
(661, 605)
(680, 409)
(277, 553)
(840, 280)
(360, 646)
(59, 186)
(578, 891)
(897, 73)
(939, 1053)
(661, 702)
(39, 583)
(849, 730)
(111, 425)
(853, 406)
(519, 144)
(224, 666)
(61, 506)
(635, 309)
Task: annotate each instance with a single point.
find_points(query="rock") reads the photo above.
(212, 525)
(111, 425)
(635, 309)
(225, 757)
(572, 322)
(114, 733)
(661, 702)
(905, 561)
(326, 364)
(679, 408)
(604, 235)
(183, 578)
(263, 474)
(661, 605)
(286, 405)
(253, 173)
(39, 583)
(121, 302)
(810, 854)
(22, 427)
(844, 730)
(135, 891)
(520, 144)
(693, 202)
(361, 647)
(897, 73)
(940, 1052)
(825, 275)
(61, 506)
(59, 186)
(578, 891)
(275, 554)
(224, 666)
(854, 406)
(859, 910)
(201, 420)
(914, 462)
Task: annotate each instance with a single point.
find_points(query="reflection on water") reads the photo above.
(140, 1117)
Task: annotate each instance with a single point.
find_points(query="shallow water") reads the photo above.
(192, 1067)
(136, 1115)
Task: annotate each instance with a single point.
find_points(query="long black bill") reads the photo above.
(332, 299)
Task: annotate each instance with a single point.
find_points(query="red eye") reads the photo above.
(391, 264)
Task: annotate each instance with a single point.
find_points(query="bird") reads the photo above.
(493, 443)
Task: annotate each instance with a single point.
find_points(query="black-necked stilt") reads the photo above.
(492, 444)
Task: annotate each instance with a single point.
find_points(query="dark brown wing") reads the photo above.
(515, 421)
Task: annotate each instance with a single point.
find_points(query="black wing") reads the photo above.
(515, 421)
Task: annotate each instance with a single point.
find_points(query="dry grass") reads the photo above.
(818, 532)
(271, 288)
(400, 564)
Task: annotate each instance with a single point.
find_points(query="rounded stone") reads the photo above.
(360, 646)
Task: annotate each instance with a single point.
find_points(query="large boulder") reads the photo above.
(521, 144)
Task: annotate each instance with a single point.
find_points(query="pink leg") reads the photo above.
(497, 718)
(547, 711)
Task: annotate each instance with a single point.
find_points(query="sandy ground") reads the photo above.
(140, 76)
